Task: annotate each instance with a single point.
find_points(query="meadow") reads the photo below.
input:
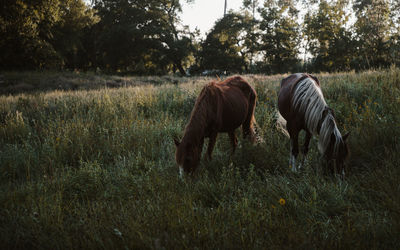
(87, 162)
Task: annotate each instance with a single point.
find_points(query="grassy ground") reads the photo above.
(94, 168)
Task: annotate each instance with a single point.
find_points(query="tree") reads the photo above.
(279, 36)
(394, 41)
(224, 47)
(373, 32)
(253, 33)
(42, 33)
(251, 5)
(178, 42)
(141, 36)
(76, 19)
(25, 33)
(330, 43)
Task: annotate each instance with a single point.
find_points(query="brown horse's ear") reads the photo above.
(176, 142)
(345, 136)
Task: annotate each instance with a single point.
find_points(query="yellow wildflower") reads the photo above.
(282, 201)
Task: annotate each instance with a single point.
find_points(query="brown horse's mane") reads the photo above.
(202, 108)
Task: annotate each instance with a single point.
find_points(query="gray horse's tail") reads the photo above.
(281, 124)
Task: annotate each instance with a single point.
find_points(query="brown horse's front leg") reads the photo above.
(211, 144)
(233, 139)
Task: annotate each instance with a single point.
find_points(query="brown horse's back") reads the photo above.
(236, 103)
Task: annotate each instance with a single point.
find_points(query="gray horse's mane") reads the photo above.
(308, 100)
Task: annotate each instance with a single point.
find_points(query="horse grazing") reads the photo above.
(302, 105)
(220, 107)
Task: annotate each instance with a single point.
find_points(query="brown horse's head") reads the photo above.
(187, 156)
(341, 154)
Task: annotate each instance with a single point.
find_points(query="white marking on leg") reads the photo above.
(292, 163)
(303, 162)
(292, 159)
(300, 165)
(181, 173)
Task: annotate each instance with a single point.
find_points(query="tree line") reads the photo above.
(147, 37)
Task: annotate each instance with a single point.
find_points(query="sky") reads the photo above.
(203, 13)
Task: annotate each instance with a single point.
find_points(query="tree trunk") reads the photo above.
(225, 7)
(180, 68)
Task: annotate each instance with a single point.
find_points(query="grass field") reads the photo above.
(86, 165)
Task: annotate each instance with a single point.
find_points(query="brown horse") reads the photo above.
(220, 107)
(302, 105)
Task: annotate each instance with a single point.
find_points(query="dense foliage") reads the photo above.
(148, 37)
(95, 169)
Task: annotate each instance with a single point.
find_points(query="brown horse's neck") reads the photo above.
(196, 129)
(193, 137)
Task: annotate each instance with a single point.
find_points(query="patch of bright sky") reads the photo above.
(202, 14)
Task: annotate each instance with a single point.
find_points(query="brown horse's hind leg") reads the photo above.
(233, 140)
(248, 124)
(211, 144)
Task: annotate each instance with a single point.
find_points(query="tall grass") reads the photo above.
(95, 168)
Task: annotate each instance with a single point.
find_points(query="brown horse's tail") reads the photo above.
(250, 122)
